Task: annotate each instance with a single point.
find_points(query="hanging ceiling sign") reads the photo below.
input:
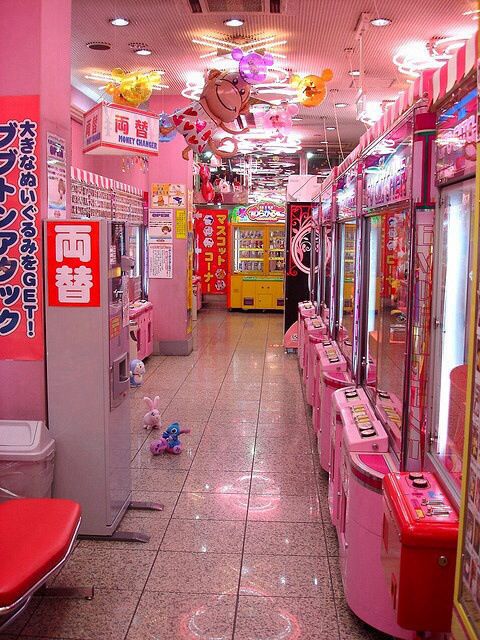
(389, 181)
(261, 212)
(111, 129)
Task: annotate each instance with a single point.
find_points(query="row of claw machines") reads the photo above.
(384, 344)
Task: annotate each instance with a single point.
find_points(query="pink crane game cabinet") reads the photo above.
(419, 548)
(355, 428)
(315, 333)
(306, 309)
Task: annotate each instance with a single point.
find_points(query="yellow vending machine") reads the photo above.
(257, 268)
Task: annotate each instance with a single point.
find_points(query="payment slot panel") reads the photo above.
(390, 410)
(315, 331)
(419, 542)
(306, 309)
(330, 357)
(355, 428)
(359, 531)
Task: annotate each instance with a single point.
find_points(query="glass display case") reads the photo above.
(276, 251)
(136, 251)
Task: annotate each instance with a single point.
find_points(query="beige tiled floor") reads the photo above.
(244, 549)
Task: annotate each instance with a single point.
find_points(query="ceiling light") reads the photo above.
(380, 22)
(331, 128)
(310, 154)
(233, 22)
(99, 46)
(119, 22)
(341, 105)
(143, 52)
(354, 73)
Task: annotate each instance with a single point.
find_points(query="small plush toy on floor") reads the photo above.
(137, 371)
(151, 420)
(169, 441)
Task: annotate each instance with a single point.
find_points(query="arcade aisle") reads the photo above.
(242, 550)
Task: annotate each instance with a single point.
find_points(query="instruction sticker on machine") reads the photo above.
(160, 260)
(73, 263)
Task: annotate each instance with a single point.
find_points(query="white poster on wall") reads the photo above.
(160, 260)
(56, 178)
(160, 225)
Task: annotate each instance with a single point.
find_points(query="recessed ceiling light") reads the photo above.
(233, 22)
(341, 105)
(331, 128)
(354, 72)
(119, 22)
(380, 22)
(99, 46)
(143, 52)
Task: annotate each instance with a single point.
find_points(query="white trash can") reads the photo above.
(27, 454)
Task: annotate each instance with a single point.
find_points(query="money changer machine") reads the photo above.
(87, 320)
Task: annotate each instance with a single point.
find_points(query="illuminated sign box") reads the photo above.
(110, 129)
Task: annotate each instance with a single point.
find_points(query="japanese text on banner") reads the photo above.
(212, 251)
(21, 308)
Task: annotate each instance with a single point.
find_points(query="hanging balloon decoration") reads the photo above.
(253, 67)
(131, 89)
(207, 190)
(165, 122)
(224, 98)
(280, 118)
(311, 90)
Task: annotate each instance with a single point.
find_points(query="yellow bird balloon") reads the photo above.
(311, 90)
(131, 89)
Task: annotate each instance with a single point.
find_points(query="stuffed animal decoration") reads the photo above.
(137, 371)
(253, 67)
(151, 420)
(131, 89)
(165, 121)
(207, 190)
(311, 90)
(169, 441)
(225, 97)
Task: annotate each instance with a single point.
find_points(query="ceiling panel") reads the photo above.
(317, 32)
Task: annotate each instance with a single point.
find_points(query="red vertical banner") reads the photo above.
(73, 263)
(211, 231)
(21, 299)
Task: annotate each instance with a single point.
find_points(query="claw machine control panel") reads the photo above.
(257, 260)
(87, 318)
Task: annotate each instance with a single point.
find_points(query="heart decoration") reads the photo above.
(201, 148)
(177, 120)
(191, 112)
(192, 140)
(207, 135)
(188, 126)
(200, 125)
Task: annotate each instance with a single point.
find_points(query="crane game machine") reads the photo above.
(370, 441)
(257, 245)
(456, 341)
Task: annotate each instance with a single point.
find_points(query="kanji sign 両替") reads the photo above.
(73, 264)
(21, 302)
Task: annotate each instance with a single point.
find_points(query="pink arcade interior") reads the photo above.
(239, 320)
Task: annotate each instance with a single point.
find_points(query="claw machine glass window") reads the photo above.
(248, 250)
(453, 294)
(346, 287)
(387, 251)
(276, 251)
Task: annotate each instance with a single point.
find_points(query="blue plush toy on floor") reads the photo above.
(169, 441)
(137, 371)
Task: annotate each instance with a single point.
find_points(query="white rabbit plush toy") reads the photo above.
(151, 420)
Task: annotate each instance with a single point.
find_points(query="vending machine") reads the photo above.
(87, 318)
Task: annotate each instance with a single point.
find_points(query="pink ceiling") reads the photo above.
(317, 31)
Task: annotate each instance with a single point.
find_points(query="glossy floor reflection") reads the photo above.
(244, 549)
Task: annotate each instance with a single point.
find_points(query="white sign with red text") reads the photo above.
(116, 130)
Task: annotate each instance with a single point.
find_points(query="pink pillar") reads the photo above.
(171, 321)
(35, 61)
